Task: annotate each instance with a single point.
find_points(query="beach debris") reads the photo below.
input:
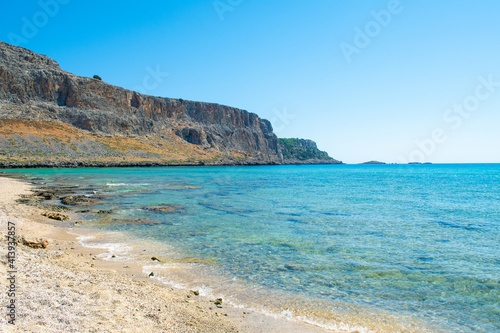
(56, 216)
(151, 274)
(37, 244)
(156, 259)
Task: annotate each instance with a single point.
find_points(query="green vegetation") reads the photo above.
(301, 150)
(97, 77)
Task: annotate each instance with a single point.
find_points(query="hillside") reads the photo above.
(50, 117)
(302, 151)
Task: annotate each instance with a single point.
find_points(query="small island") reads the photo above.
(373, 162)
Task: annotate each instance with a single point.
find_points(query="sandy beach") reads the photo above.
(67, 287)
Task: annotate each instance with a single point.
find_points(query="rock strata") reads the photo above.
(52, 118)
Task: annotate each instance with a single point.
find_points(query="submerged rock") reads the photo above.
(73, 200)
(165, 208)
(191, 260)
(134, 221)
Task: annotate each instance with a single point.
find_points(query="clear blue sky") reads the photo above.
(302, 64)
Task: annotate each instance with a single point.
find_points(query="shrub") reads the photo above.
(97, 77)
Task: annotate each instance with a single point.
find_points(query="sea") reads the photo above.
(367, 248)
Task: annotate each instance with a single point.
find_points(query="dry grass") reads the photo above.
(164, 147)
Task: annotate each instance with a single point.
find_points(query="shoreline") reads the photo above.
(83, 164)
(57, 283)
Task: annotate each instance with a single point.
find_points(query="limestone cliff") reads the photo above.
(51, 117)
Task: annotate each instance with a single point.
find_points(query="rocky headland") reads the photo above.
(52, 118)
(303, 151)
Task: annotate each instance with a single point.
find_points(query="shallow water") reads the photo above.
(372, 247)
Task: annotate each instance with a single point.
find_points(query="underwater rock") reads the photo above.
(73, 200)
(165, 208)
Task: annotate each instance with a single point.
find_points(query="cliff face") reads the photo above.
(303, 151)
(33, 87)
(49, 117)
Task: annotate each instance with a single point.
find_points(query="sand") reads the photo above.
(67, 288)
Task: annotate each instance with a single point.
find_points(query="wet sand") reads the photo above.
(67, 287)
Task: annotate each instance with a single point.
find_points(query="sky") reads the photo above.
(393, 81)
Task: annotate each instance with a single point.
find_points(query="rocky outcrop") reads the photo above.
(49, 117)
(303, 151)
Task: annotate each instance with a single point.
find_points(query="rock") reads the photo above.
(104, 211)
(292, 267)
(191, 260)
(165, 208)
(302, 151)
(56, 216)
(73, 200)
(156, 259)
(40, 244)
(136, 221)
(195, 292)
(151, 274)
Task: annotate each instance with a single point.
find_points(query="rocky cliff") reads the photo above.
(51, 117)
(303, 151)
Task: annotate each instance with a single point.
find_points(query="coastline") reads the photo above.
(68, 286)
(87, 164)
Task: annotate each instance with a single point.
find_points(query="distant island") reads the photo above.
(52, 118)
(373, 162)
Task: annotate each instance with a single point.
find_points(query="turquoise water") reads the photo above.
(420, 243)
